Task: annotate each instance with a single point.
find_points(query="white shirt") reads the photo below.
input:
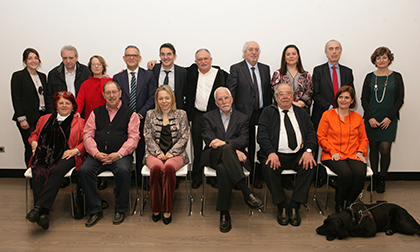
(283, 144)
(171, 77)
(38, 85)
(130, 77)
(70, 77)
(204, 86)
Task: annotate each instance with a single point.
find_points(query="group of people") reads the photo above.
(80, 117)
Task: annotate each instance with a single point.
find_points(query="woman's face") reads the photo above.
(32, 62)
(96, 67)
(291, 56)
(344, 100)
(382, 61)
(164, 100)
(64, 106)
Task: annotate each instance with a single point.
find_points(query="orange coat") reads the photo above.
(346, 138)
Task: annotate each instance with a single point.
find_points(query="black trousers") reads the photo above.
(140, 152)
(197, 140)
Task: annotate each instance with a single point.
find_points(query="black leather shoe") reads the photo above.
(93, 218)
(253, 202)
(156, 218)
(44, 221)
(118, 218)
(294, 217)
(225, 224)
(65, 183)
(102, 183)
(168, 220)
(283, 217)
(33, 215)
(195, 184)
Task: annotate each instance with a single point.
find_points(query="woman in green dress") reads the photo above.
(382, 98)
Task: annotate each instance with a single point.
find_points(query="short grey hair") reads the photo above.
(111, 82)
(200, 50)
(133, 46)
(220, 88)
(245, 47)
(69, 48)
(331, 40)
(280, 84)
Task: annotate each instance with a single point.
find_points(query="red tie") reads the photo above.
(335, 80)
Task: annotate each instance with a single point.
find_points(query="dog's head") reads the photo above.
(334, 227)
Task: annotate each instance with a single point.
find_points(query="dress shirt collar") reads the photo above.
(337, 66)
(61, 118)
(67, 72)
(249, 65)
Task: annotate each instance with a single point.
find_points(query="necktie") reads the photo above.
(166, 80)
(133, 91)
(291, 135)
(335, 80)
(257, 96)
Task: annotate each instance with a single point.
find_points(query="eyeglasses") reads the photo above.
(131, 55)
(223, 98)
(40, 90)
(64, 92)
(111, 92)
(284, 93)
(96, 64)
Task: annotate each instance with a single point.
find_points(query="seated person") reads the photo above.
(225, 132)
(57, 146)
(110, 137)
(166, 133)
(342, 137)
(287, 139)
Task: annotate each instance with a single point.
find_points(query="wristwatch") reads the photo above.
(309, 150)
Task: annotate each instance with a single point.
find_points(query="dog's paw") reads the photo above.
(389, 232)
(331, 237)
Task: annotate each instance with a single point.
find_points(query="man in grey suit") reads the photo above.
(249, 82)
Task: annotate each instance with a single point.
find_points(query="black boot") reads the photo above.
(375, 183)
(339, 199)
(380, 188)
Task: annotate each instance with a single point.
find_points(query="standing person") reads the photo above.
(166, 135)
(382, 98)
(249, 82)
(342, 137)
(291, 72)
(27, 87)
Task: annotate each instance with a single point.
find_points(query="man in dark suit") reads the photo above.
(324, 90)
(249, 82)
(167, 73)
(138, 92)
(202, 81)
(287, 139)
(67, 76)
(225, 132)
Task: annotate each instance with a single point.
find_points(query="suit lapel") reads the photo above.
(232, 121)
(139, 82)
(219, 123)
(245, 72)
(327, 73)
(29, 80)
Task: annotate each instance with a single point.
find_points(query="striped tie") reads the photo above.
(133, 91)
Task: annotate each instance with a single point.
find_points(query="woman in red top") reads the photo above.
(342, 137)
(90, 93)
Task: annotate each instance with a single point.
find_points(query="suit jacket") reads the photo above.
(235, 135)
(191, 89)
(242, 87)
(324, 91)
(57, 82)
(146, 88)
(180, 80)
(269, 129)
(25, 95)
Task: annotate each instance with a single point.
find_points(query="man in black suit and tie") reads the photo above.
(327, 79)
(287, 139)
(167, 73)
(138, 92)
(225, 132)
(249, 82)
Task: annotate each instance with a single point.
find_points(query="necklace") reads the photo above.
(376, 88)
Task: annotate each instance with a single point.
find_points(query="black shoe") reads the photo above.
(320, 183)
(156, 218)
(44, 221)
(118, 218)
(93, 218)
(65, 182)
(33, 215)
(283, 217)
(102, 183)
(168, 220)
(258, 184)
(213, 183)
(253, 202)
(380, 188)
(225, 224)
(195, 184)
(294, 217)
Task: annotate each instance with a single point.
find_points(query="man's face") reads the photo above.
(132, 58)
(252, 53)
(112, 95)
(333, 52)
(167, 57)
(203, 61)
(284, 96)
(69, 59)
(224, 100)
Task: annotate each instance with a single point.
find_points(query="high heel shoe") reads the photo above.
(168, 220)
(156, 218)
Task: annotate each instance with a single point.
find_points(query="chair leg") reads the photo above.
(265, 197)
(326, 193)
(314, 198)
(249, 208)
(71, 197)
(371, 188)
(203, 197)
(27, 195)
(137, 193)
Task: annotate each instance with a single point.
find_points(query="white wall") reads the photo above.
(105, 27)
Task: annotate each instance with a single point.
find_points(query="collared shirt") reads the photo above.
(70, 77)
(283, 144)
(225, 119)
(204, 86)
(171, 77)
(257, 74)
(132, 139)
(130, 77)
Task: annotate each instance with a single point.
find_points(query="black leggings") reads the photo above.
(351, 173)
(385, 149)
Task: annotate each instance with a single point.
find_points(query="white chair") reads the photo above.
(28, 176)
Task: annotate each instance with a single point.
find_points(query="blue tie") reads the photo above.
(133, 91)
